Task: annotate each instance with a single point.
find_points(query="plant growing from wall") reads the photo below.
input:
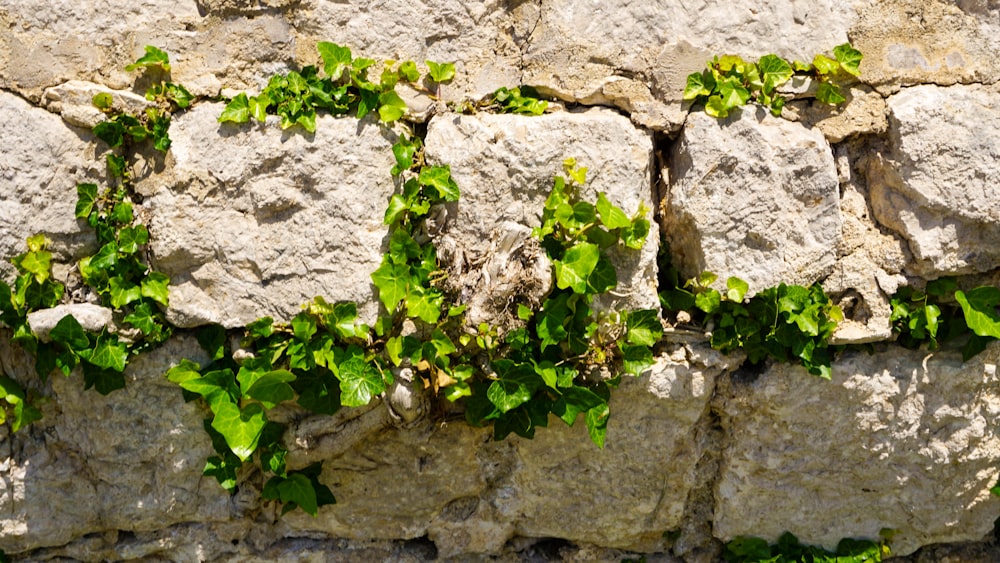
(745, 549)
(730, 82)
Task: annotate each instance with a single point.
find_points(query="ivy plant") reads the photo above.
(523, 100)
(730, 82)
(745, 549)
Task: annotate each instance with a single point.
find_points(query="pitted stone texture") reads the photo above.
(755, 197)
(128, 461)
(41, 162)
(927, 41)
(470, 33)
(938, 185)
(253, 221)
(505, 164)
(637, 55)
(898, 439)
(469, 494)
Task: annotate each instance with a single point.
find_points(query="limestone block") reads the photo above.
(129, 461)
(470, 33)
(505, 164)
(42, 161)
(752, 196)
(637, 55)
(253, 221)
(898, 439)
(937, 185)
(91, 317)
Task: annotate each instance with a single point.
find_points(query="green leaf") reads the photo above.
(123, 292)
(980, 308)
(130, 239)
(122, 213)
(574, 269)
(336, 58)
(111, 132)
(272, 388)
(737, 289)
(103, 380)
(849, 58)
(359, 380)
(575, 400)
(237, 110)
(153, 57)
(392, 281)
(825, 65)
(733, 93)
(179, 95)
(597, 424)
(424, 304)
(391, 106)
(261, 328)
(644, 327)
(69, 333)
(708, 300)
(635, 236)
(829, 93)
(107, 352)
(240, 428)
(774, 72)
(514, 388)
(38, 264)
(439, 177)
(699, 84)
(304, 326)
(295, 491)
(408, 71)
(603, 277)
(611, 215)
(86, 197)
(635, 359)
(441, 72)
(142, 318)
(156, 287)
(186, 370)
(716, 107)
(102, 101)
(224, 470)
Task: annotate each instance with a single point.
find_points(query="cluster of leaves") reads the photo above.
(786, 323)
(545, 366)
(523, 100)
(345, 89)
(744, 549)
(122, 128)
(943, 312)
(730, 82)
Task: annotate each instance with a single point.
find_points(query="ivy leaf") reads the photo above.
(849, 58)
(408, 71)
(635, 235)
(236, 111)
(296, 490)
(825, 65)
(224, 470)
(597, 424)
(102, 101)
(359, 380)
(575, 400)
(708, 300)
(304, 326)
(699, 84)
(153, 57)
(336, 58)
(391, 107)
(107, 352)
(392, 281)
(574, 269)
(111, 132)
(156, 287)
(37, 263)
(240, 428)
(439, 177)
(141, 318)
(737, 289)
(980, 308)
(217, 386)
(103, 380)
(774, 71)
(69, 333)
(611, 215)
(603, 277)
(123, 292)
(131, 238)
(635, 359)
(829, 94)
(515, 387)
(86, 197)
(644, 327)
(441, 72)
(272, 388)
(424, 304)
(733, 94)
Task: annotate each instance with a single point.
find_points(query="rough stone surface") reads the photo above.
(505, 165)
(637, 55)
(74, 100)
(846, 458)
(41, 162)
(754, 197)
(937, 184)
(268, 219)
(109, 463)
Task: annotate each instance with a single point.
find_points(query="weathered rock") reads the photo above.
(74, 100)
(937, 184)
(91, 317)
(927, 41)
(637, 55)
(470, 33)
(899, 439)
(107, 463)
(40, 165)
(504, 165)
(752, 196)
(864, 112)
(268, 219)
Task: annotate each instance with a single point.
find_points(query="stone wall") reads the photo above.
(896, 187)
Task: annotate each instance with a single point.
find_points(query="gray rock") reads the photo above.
(898, 439)
(752, 196)
(91, 317)
(505, 164)
(42, 161)
(106, 463)
(268, 219)
(936, 185)
(74, 100)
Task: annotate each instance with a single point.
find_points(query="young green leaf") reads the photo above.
(390, 106)
(439, 177)
(979, 306)
(849, 58)
(737, 289)
(153, 57)
(359, 380)
(574, 269)
(86, 198)
(829, 93)
(774, 71)
(236, 111)
(441, 72)
(336, 58)
(240, 427)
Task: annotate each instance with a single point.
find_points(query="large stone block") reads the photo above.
(131, 460)
(252, 221)
(637, 55)
(752, 196)
(505, 164)
(898, 439)
(938, 185)
(41, 162)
